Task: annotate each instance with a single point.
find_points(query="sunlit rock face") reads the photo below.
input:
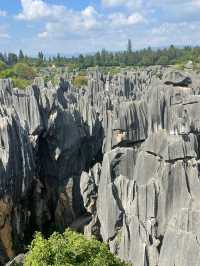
(118, 159)
(147, 198)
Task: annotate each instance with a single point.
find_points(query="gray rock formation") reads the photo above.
(17, 261)
(118, 159)
(177, 78)
(148, 194)
(45, 145)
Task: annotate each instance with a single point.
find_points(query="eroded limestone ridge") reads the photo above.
(118, 159)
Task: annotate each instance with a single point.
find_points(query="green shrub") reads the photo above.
(21, 74)
(24, 71)
(20, 83)
(163, 60)
(2, 66)
(114, 71)
(69, 249)
(80, 81)
(179, 66)
(71, 67)
(8, 73)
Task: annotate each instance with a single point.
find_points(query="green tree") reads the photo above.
(24, 71)
(2, 66)
(163, 60)
(97, 59)
(21, 55)
(12, 59)
(129, 48)
(69, 249)
(41, 56)
(81, 61)
(40, 59)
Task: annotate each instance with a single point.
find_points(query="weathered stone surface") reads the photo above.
(115, 186)
(182, 236)
(118, 159)
(45, 145)
(130, 123)
(177, 78)
(19, 260)
(149, 181)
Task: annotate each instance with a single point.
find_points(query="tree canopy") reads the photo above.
(129, 57)
(23, 69)
(2, 65)
(69, 249)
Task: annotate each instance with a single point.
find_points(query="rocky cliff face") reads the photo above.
(118, 159)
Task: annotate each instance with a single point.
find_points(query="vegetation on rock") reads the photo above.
(80, 81)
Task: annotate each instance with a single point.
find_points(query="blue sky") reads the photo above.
(81, 26)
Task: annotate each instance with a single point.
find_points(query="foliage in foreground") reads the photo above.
(69, 249)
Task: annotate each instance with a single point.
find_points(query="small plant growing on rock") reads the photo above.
(80, 81)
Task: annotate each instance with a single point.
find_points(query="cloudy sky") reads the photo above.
(74, 26)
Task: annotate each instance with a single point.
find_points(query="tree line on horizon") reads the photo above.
(145, 57)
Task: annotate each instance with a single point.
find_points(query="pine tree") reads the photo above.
(41, 56)
(21, 55)
(129, 46)
(12, 59)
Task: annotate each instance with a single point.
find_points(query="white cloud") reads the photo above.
(38, 9)
(3, 33)
(58, 16)
(180, 28)
(195, 3)
(89, 21)
(89, 11)
(112, 3)
(74, 22)
(120, 19)
(52, 29)
(133, 4)
(181, 33)
(89, 18)
(64, 29)
(43, 35)
(180, 8)
(60, 20)
(3, 13)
